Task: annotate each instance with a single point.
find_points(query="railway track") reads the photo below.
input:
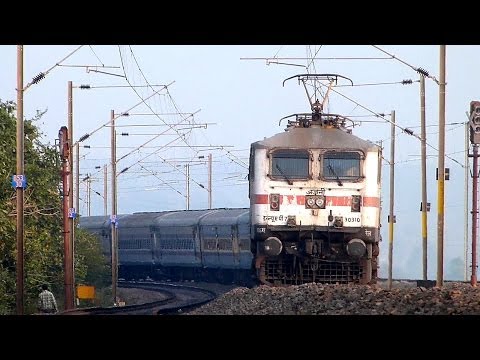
(177, 299)
(414, 282)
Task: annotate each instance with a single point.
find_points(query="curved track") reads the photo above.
(177, 299)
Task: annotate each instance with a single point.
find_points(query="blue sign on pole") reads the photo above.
(19, 181)
(114, 220)
(72, 213)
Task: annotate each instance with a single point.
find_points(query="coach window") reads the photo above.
(290, 165)
(341, 166)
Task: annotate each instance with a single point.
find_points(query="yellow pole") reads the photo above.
(441, 168)
(392, 198)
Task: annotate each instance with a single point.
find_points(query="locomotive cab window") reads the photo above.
(290, 165)
(341, 166)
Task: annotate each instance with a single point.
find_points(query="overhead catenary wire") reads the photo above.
(149, 141)
(86, 136)
(403, 82)
(404, 129)
(42, 75)
(202, 147)
(155, 114)
(143, 100)
(411, 127)
(240, 162)
(94, 53)
(319, 58)
(313, 57)
(181, 114)
(87, 86)
(147, 156)
(154, 173)
(416, 69)
(163, 182)
(408, 127)
(136, 190)
(312, 65)
(207, 147)
(90, 66)
(168, 93)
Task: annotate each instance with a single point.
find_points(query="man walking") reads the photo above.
(46, 301)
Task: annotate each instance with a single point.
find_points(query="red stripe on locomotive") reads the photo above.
(367, 201)
(371, 201)
(261, 199)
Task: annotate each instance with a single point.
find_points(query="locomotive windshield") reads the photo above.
(288, 164)
(341, 165)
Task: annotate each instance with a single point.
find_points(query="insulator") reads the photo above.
(38, 78)
(125, 114)
(85, 86)
(422, 72)
(121, 172)
(124, 134)
(407, 82)
(84, 137)
(408, 131)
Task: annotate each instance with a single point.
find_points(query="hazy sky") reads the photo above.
(241, 101)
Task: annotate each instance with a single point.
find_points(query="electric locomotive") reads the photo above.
(315, 201)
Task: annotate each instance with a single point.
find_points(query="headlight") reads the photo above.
(320, 201)
(310, 202)
(274, 202)
(356, 200)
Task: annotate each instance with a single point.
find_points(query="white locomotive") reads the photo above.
(315, 203)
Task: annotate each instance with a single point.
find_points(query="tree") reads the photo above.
(43, 238)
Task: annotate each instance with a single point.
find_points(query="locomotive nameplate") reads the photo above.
(316, 192)
(274, 218)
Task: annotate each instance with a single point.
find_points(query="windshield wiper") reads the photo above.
(285, 176)
(334, 174)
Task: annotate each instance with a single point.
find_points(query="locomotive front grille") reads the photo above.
(284, 272)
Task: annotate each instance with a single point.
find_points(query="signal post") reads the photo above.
(474, 123)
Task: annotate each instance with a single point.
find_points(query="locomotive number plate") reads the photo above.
(352, 219)
(320, 191)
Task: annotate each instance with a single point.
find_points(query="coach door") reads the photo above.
(235, 247)
(224, 237)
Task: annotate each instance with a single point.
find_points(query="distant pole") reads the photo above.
(467, 168)
(441, 167)
(19, 190)
(424, 175)
(187, 167)
(89, 196)
(392, 199)
(473, 280)
(71, 279)
(105, 194)
(77, 179)
(209, 181)
(67, 260)
(114, 208)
